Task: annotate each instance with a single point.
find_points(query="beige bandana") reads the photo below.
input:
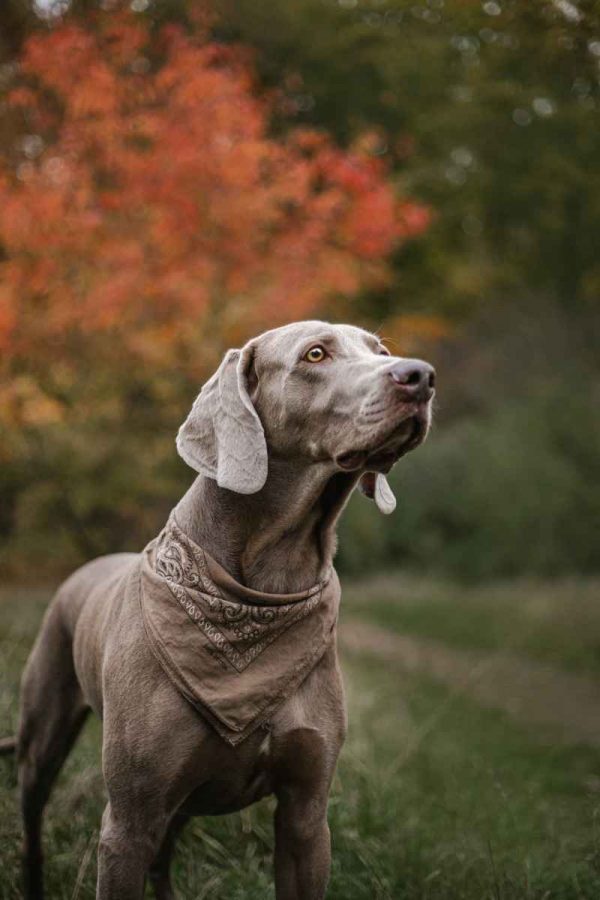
(234, 653)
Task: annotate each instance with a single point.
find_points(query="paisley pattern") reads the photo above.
(239, 630)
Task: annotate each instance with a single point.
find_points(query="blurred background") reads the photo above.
(178, 175)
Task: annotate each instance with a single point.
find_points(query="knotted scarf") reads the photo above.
(236, 654)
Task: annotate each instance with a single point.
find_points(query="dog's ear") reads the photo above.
(223, 437)
(376, 487)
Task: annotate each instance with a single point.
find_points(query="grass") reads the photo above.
(554, 621)
(435, 799)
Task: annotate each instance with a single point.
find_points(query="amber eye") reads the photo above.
(315, 354)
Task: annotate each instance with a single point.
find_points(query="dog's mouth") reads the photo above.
(403, 438)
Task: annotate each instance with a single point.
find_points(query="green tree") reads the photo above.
(489, 112)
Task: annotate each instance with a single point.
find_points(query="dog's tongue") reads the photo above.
(375, 486)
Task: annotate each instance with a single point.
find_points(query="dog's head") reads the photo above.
(315, 392)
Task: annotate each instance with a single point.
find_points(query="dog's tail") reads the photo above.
(8, 746)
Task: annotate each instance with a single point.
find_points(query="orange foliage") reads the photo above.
(149, 218)
(149, 194)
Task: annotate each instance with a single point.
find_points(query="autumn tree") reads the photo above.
(149, 219)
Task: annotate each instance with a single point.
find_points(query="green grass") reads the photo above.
(435, 799)
(555, 621)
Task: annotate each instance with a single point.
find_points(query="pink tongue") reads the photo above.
(375, 486)
(384, 496)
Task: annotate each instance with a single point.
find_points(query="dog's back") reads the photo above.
(84, 586)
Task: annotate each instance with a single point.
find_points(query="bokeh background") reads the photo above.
(178, 175)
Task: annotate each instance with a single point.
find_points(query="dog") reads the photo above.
(280, 437)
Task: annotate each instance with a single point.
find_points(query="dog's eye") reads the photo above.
(315, 354)
(383, 351)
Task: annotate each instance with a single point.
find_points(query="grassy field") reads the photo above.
(552, 621)
(435, 796)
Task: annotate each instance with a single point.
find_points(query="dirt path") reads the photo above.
(533, 693)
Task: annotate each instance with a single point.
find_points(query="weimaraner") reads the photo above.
(281, 435)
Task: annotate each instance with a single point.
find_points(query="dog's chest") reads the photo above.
(243, 781)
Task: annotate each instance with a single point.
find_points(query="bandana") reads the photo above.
(236, 654)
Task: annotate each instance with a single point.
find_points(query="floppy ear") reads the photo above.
(223, 437)
(376, 487)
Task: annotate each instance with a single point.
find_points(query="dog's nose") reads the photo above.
(414, 378)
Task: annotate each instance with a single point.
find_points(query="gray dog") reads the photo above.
(213, 692)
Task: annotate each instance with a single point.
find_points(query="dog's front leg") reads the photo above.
(156, 748)
(303, 768)
(128, 844)
(302, 846)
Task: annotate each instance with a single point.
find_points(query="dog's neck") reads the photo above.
(281, 539)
